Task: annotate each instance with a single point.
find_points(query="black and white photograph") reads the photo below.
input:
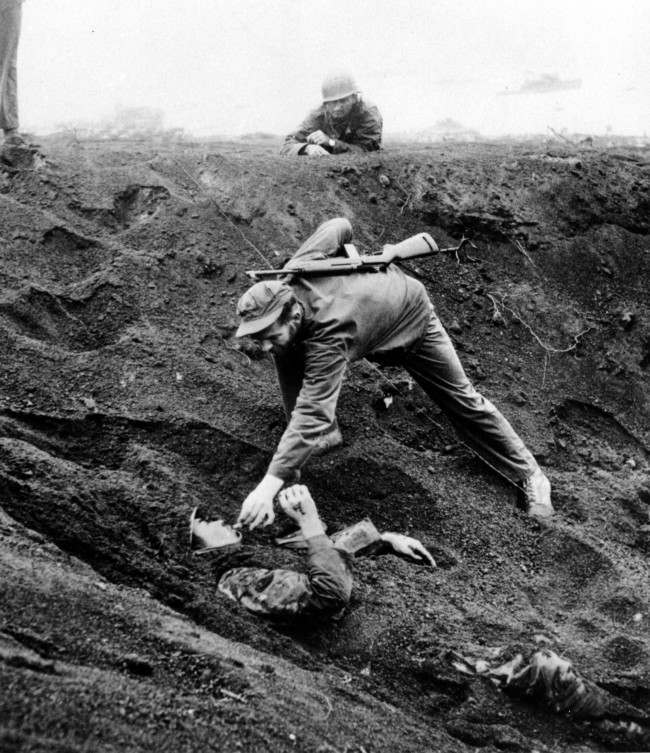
(324, 376)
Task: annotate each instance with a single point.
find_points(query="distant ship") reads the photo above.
(548, 82)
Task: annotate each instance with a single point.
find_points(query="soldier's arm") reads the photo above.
(295, 142)
(367, 134)
(315, 407)
(290, 371)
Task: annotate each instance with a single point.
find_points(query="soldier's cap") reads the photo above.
(261, 305)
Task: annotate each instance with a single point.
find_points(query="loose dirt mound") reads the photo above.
(126, 402)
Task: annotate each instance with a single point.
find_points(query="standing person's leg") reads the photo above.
(10, 17)
(436, 367)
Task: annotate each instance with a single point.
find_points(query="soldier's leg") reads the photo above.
(9, 34)
(325, 240)
(436, 367)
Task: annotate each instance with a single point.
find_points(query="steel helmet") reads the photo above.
(338, 85)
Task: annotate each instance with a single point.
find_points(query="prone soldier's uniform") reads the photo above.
(359, 132)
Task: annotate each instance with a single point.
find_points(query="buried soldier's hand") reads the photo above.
(313, 150)
(318, 137)
(298, 504)
(408, 547)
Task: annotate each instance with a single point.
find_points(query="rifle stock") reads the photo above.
(421, 244)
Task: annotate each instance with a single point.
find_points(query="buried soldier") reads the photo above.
(325, 589)
(345, 122)
(314, 326)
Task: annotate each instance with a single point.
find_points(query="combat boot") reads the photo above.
(537, 495)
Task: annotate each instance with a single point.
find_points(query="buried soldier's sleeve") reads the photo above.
(295, 142)
(330, 575)
(315, 406)
(325, 589)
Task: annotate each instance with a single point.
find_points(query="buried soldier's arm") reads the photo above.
(298, 504)
(408, 547)
(330, 577)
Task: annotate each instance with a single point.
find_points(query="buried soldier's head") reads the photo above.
(269, 313)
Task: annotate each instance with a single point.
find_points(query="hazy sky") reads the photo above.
(236, 66)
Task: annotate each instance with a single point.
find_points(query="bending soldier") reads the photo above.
(315, 326)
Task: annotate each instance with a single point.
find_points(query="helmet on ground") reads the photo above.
(338, 85)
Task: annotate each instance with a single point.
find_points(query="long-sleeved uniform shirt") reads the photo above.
(359, 132)
(346, 317)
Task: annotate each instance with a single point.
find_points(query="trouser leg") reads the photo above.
(325, 240)
(437, 369)
(9, 34)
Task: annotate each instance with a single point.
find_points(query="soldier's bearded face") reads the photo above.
(341, 108)
(277, 337)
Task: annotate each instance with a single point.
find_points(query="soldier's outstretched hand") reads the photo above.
(408, 547)
(257, 508)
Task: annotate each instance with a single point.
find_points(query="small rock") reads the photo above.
(628, 319)
(137, 665)
(455, 327)
(19, 157)
(384, 180)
